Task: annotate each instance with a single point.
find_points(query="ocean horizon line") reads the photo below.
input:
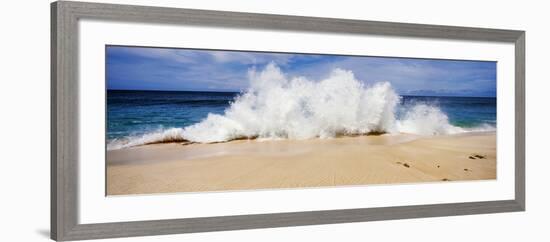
(220, 91)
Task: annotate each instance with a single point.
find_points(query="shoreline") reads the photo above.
(273, 164)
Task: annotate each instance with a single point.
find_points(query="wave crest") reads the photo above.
(163, 136)
(297, 108)
(426, 120)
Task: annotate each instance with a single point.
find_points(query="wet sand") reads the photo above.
(276, 164)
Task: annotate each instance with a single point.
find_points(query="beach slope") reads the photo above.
(252, 164)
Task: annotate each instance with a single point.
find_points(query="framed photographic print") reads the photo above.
(169, 120)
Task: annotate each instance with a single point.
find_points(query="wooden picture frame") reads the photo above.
(64, 119)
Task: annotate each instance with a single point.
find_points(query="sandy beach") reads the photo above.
(275, 164)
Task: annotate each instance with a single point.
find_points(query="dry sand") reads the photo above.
(251, 164)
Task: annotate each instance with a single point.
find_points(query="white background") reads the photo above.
(25, 121)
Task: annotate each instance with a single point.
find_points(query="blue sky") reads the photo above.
(140, 68)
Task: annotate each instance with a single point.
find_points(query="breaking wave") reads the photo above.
(278, 107)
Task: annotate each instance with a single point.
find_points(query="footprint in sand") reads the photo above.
(404, 164)
(476, 156)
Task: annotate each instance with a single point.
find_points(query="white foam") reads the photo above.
(278, 107)
(168, 135)
(297, 108)
(426, 120)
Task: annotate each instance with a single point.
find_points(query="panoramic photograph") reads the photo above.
(197, 120)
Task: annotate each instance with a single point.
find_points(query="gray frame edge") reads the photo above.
(64, 119)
